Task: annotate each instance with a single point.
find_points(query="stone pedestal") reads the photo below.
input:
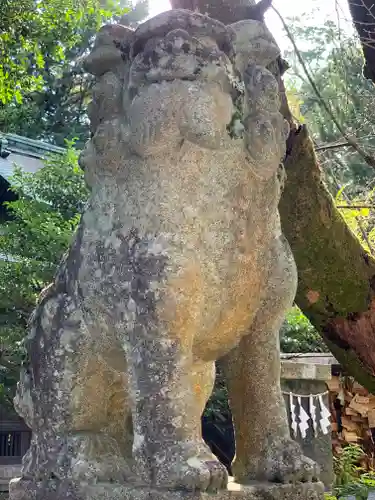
(308, 375)
(64, 490)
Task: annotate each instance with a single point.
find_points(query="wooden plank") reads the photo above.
(363, 400)
(360, 404)
(351, 412)
(349, 425)
(348, 396)
(351, 437)
(371, 418)
(358, 419)
(333, 384)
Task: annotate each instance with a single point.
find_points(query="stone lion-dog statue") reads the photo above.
(179, 260)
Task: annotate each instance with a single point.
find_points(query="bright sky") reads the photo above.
(335, 10)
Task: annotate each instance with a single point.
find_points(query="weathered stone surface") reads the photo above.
(266, 491)
(299, 370)
(178, 260)
(111, 49)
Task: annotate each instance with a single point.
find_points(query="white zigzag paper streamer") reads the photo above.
(303, 419)
(294, 424)
(312, 414)
(325, 422)
(313, 409)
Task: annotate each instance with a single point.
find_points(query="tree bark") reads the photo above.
(363, 15)
(336, 275)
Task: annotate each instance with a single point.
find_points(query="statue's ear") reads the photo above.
(111, 48)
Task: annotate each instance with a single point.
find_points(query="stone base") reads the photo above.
(60, 490)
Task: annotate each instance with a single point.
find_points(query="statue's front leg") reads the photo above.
(167, 448)
(264, 449)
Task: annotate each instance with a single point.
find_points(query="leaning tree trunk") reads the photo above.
(336, 275)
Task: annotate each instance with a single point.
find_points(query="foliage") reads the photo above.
(45, 92)
(43, 31)
(360, 489)
(345, 465)
(295, 102)
(297, 335)
(335, 61)
(351, 479)
(358, 214)
(12, 333)
(32, 242)
(218, 405)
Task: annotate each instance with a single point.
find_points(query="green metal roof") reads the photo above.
(24, 152)
(31, 147)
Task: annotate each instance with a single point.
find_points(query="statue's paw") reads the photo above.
(265, 141)
(93, 471)
(96, 458)
(165, 114)
(202, 472)
(285, 463)
(262, 90)
(253, 41)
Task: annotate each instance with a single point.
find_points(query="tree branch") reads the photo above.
(334, 145)
(355, 207)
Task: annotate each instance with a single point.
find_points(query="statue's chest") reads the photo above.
(125, 248)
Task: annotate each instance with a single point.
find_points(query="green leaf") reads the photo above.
(339, 195)
(364, 212)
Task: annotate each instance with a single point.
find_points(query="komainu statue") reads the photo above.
(178, 260)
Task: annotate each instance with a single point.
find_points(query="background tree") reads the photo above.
(335, 60)
(363, 15)
(35, 32)
(47, 95)
(32, 242)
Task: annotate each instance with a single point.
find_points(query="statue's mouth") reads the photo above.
(180, 56)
